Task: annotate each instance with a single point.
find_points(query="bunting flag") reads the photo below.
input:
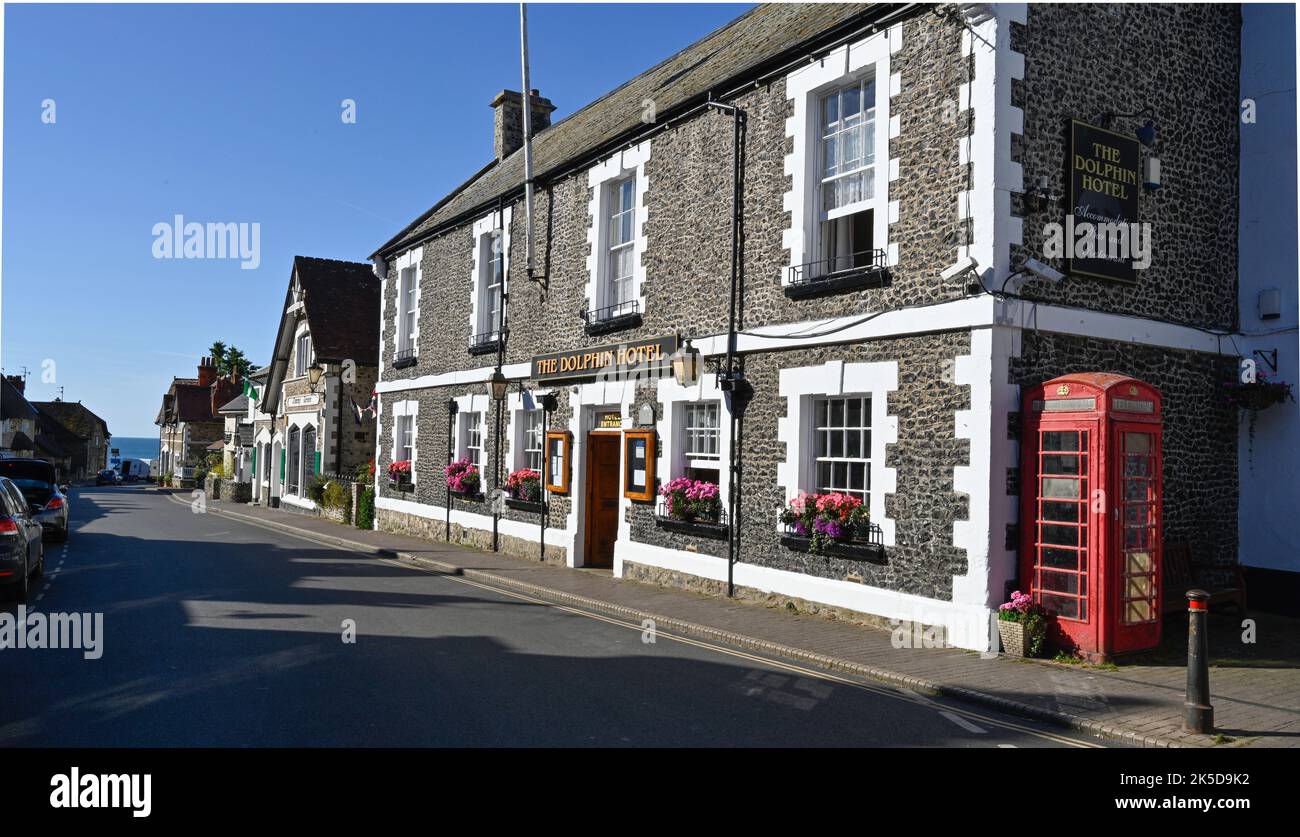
(372, 408)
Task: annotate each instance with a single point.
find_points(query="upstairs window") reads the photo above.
(406, 288)
(842, 427)
(303, 358)
(847, 176)
(621, 240)
(491, 284)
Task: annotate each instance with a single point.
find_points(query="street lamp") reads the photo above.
(313, 374)
(686, 365)
(497, 386)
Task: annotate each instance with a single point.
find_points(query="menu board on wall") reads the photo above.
(1104, 178)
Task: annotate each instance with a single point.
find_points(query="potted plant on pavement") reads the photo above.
(1022, 625)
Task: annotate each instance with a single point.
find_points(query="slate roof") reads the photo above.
(73, 415)
(13, 404)
(759, 40)
(238, 404)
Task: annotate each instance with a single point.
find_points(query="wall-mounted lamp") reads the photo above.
(314, 373)
(497, 386)
(549, 402)
(686, 365)
(452, 407)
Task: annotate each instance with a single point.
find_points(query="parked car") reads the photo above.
(22, 550)
(108, 477)
(47, 500)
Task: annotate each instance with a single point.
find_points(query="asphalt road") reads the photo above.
(222, 633)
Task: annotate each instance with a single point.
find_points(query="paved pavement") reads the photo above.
(1255, 688)
(224, 630)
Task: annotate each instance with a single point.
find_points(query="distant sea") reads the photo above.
(136, 447)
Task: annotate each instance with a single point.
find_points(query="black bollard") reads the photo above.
(1200, 714)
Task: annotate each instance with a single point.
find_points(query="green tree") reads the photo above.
(218, 354)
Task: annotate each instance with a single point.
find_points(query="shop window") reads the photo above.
(558, 447)
(295, 452)
(639, 464)
(842, 430)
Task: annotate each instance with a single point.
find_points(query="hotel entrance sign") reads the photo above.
(1104, 180)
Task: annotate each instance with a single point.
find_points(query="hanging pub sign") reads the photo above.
(1102, 237)
(620, 362)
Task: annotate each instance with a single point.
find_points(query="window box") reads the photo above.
(473, 495)
(700, 527)
(405, 486)
(612, 318)
(485, 344)
(830, 276)
(525, 505)
(854, 550)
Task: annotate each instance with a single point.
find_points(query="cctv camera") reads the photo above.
(963, 266)
(1042, 271)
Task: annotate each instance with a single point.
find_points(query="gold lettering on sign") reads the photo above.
(1063, 389)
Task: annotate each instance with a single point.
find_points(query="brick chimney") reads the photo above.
(508, 120)
(19, 382)
(207, 372)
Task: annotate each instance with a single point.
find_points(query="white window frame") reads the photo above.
(822, 428)
(303, 352)
(694, 459)
(408, 411)
(801, 387)
(672, 451)
(468, 421)
(868, 58)
(481, 269)
(601, 179)
(526, 427)
(617, 289)
(406, 320)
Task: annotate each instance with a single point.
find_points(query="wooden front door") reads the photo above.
(602, 499)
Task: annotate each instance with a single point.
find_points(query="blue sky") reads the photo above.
(232, 114)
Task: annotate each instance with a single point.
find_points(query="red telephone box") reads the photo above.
(1091, 511)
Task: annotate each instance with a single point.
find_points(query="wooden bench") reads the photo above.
(1180, 576)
